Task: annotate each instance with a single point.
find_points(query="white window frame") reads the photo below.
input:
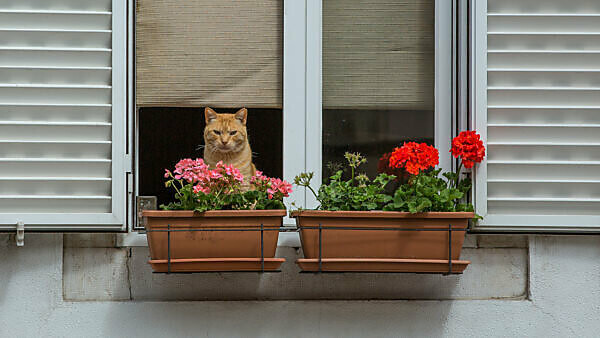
(302, 101)
(116, 220)
(302, 90)
(478, 102)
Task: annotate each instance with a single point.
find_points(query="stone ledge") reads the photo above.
(493, 274)
(502, 241)
(93, 240)
(95, 274)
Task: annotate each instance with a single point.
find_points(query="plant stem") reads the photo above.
(178, 193)
(458, 175)
(311, 190)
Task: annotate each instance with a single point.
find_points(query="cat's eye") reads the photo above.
(217, 132)
(233, 132)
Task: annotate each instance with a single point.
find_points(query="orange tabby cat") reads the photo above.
(226, 139)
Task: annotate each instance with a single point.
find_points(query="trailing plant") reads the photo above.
(199, 188)
(426, 190)
(358, 193)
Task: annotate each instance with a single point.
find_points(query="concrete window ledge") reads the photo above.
(134, 239)
(95, 270)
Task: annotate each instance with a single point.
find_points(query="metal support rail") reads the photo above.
(257, 228)
(449, 229)
(320, 228)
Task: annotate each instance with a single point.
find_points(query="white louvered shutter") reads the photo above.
(537, 102)
(62, 114)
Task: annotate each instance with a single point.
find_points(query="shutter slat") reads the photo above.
(544, 199)
(60, 169)
(57, 123)
(43, 57)
(53, 20)
(56, 39)
(55, 95)
(73, 149)
(17, 207)
(541, 190)
(546, 59)
(56, 75)
(525, 23)
(548, 171)
(60, 5)
(550, 79)
(545, 134)
(574, 152)
(55, 133)
(52, 188)
(523, 208)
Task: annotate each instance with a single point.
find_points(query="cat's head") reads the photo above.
(225, 133)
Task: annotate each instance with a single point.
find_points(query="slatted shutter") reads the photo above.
(537, 101)
(62, 114)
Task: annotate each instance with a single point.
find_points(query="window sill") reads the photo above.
(134, 239)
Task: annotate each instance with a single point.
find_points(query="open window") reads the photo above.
(316, 82)
(378, 74)
(226, 55)
(378, 77)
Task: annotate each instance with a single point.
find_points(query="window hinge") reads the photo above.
(20, 239)
(128, 163)
(129, 184)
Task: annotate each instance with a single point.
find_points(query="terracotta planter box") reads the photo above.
(380, 250)
(205, 251)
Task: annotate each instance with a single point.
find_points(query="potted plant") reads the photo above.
(418, 228)
(214, 224)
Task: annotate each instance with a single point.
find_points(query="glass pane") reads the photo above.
(378, 78)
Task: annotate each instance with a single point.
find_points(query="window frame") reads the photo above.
(303, 51)
(302, 92)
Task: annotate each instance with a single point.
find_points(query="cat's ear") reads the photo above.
(209, 115)
(242, 115)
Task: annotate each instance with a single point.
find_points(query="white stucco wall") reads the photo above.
(562, 300)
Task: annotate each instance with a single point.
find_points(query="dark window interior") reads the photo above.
(167, 135)
(372, 133)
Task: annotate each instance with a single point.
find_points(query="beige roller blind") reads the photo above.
(378, 54)
(225, 53)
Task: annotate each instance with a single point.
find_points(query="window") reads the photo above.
(378, 78)
(536, 102)
(62, 128)
(223, 54)
(364, 76)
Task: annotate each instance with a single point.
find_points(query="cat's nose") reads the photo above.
(225, 142)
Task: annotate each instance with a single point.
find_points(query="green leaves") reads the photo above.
(346, 195)
(356, 194)
(429, 192)
(424, 192)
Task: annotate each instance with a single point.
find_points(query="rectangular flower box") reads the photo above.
(382, 241)
(220, 240)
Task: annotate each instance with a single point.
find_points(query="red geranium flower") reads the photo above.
(469, 147)
(383, 166)
(415, 157)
